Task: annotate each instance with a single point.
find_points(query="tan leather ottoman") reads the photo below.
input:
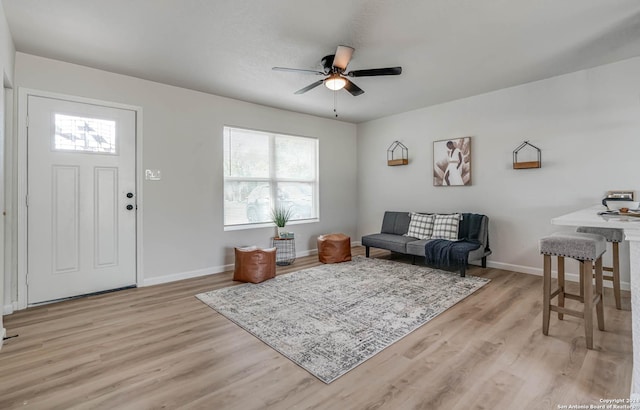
(254, 265)
(334, 248)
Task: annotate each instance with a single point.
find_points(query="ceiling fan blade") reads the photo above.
(375, 71)
(309, 87)
(343, 56)
(298, 70)
(353, 89)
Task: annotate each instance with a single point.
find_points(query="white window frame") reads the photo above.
(273, 181)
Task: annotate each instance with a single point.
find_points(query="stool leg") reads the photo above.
(586, 273)
(546, 294)
(600, 294)
(616, 274)
(581, 283)
(561, 285)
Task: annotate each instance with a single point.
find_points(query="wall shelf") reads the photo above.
(397, 154)
(527, 164)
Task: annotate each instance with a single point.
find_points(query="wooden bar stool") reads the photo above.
(586, 248)
(615, 236)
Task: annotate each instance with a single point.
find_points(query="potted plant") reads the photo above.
(280, 216)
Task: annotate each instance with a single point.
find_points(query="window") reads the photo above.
(265, 170)
(84, 134)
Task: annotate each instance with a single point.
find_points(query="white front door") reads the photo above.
(81, 203)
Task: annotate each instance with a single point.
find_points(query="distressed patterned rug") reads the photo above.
(330, 318)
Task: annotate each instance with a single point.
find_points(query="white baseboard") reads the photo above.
(2, 336)
(206, 271)
(10, 308)
(515, 268)
(573, 277)
(185, 275)
(306, 253)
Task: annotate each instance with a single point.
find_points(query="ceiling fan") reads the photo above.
(335, 66)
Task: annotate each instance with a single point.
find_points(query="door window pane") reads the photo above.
(84, 134)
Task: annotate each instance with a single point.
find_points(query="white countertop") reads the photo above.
(590, 217)
(631, 227)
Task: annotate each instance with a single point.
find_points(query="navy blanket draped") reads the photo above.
(445, 253)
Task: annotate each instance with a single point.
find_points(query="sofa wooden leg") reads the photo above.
(413, 259)
(484, 262)
(366, 251)
(463, 271)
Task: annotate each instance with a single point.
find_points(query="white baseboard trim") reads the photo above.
(515, 268)
(185, 275)
(10, 308)
(306, 253)
(204, 272)
(573, 277)
(2, 336)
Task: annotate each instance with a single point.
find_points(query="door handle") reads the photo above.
(129, 207)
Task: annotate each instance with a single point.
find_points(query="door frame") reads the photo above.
(22, 182)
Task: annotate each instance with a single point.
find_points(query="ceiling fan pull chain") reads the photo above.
(335, 102)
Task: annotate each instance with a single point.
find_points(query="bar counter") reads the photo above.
(631, 227)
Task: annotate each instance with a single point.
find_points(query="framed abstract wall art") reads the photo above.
(452, 162)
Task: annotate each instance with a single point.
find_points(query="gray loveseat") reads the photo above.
(395, 226)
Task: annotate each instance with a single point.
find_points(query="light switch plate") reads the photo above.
(152, 175)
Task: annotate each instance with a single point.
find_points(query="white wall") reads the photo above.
(182, 136)
(586, 123)
(7, 55)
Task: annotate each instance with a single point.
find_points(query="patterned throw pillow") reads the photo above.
(446, 227)
(421, 226)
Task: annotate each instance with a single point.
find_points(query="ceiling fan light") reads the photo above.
(335, 82)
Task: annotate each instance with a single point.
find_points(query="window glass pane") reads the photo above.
(84, 134)
(246, 154)
(263, 170)
(247, 202)
(295, 157)
(298, 198)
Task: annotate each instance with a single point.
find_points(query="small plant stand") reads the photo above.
(285, 250)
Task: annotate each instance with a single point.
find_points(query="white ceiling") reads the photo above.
(448, 49)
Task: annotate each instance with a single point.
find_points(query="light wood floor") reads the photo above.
(160, 347)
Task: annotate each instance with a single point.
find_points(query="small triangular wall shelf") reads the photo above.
(534, 156)
(397, 154)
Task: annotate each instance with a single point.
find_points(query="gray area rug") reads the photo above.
(330, 318)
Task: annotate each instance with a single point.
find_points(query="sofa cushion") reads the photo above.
(421, 226)
(417, 247)
(446, 227)
(396, 223)
(394, 243)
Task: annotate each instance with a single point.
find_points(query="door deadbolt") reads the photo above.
(129, 195)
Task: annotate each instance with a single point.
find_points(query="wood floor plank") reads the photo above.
(160, 347)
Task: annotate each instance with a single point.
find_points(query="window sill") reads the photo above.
(267, 225)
